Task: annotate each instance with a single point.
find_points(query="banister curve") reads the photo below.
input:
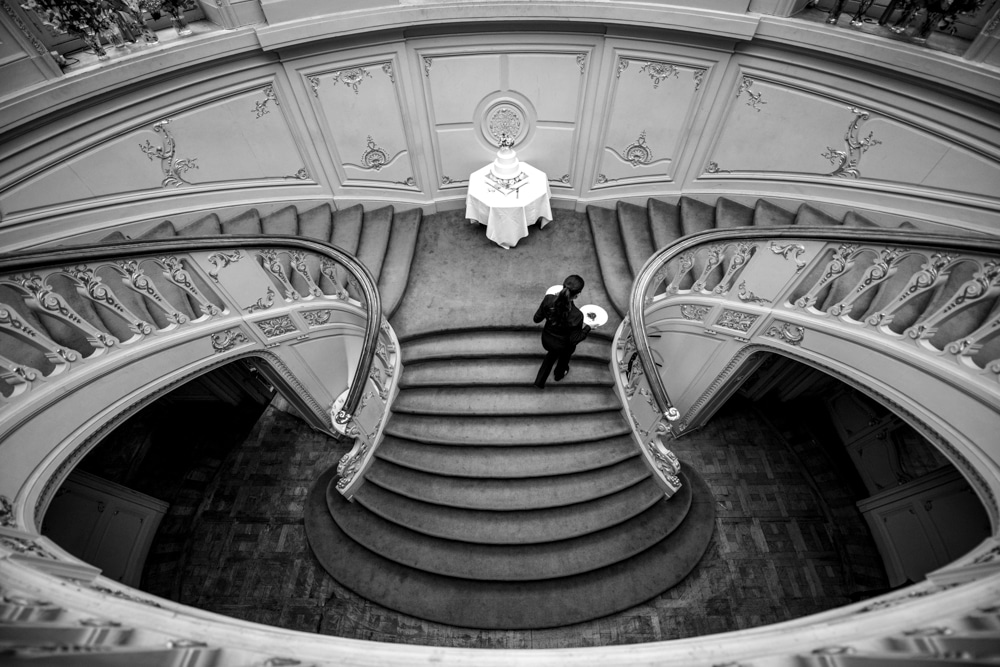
(642, 283)
(365, 280)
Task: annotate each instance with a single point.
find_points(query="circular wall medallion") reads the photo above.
(504, 119)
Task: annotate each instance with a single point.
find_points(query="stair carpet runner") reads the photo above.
(491, 504)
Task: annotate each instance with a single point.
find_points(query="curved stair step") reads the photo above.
(499, 371)
(809, 216)
(507, 494)
(664, 222)
(730, 214)
(398, 259)
(555, 399)
(492, 343)
(506, 430)
(509, 562)
(611, 256)
(509, 605)
(633, 225)
(767, 214)
(347, 224)
(376, 228)
(507, 462)
(696, 216)
(508, 527)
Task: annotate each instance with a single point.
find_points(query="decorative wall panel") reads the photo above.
(535, 94)
(653, 102)
(773, 128)
(361, 113)
(243, 137)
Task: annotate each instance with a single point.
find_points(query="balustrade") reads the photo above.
(704, 306)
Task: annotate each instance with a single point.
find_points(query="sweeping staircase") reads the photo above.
(471, 514)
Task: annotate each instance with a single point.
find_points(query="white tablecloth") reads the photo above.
(507, 216)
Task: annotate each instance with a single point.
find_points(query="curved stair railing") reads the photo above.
(912, 319)
(91, 334)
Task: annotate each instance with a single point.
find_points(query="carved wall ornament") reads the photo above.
(277, 326)
(173, 167)
(352, 78)
(317, 318)
(448, 180)
(314, 84)
(260, 107)
(695, 313)
(374, 157)
(427, 66)
(754, 100)
(785, 250)
(387, 68)
(699, 76)
(659, 72)
(747, 296)
(301, 175)
(736, 320)
(847, 161)
(224, 341)
(714, 168)
(505, 120)
(622, 66)
(221, 260)
(262, 303)
(638, 152)
(789, 333)
(581, 60)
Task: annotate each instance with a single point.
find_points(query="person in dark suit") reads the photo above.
(564, 329)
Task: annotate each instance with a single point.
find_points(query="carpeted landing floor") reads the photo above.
(770, 559)
(469, 282)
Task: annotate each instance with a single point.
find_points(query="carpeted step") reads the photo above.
(376, 228)
(247, 222)
(505, 430)
(398, 258)
(853, 219)
(513, 562)
(283, 222)
(507, 462)
(525, 402)
(767, 214)
(615, 271)
(526, 526)
(492, 343)
(347, 224)
(507, 605)
(499, 371)
(633, 224)
(502, 495)
(664, 222)
(208, 225)
(696, 216)
(730, 214)
(809, 216)
(316, 223)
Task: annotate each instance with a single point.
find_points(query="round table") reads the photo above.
(507, 215)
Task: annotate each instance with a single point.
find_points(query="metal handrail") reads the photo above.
(373, 306)
(636, 310)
